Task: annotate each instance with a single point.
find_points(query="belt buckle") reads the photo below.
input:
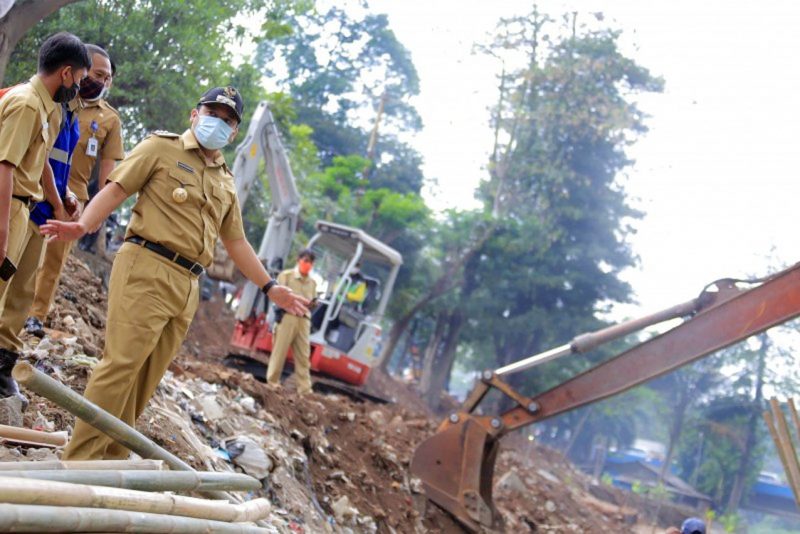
(199, 269)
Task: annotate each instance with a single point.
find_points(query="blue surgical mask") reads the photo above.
(212, 132)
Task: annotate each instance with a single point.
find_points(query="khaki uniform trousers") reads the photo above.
(25, 248)
(292, 332)
(151, 304)
(55, 257)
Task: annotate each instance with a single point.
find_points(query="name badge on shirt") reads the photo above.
(91, 147)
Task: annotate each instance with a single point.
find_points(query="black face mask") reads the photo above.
(65, 94)
(91, 89)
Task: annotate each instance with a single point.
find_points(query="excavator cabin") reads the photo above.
(355, 275)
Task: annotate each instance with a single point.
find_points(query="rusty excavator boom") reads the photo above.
(456, 464)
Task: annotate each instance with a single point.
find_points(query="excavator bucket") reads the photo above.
(456, 466)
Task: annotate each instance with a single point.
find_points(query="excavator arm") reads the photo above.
(262, 144)
(456, 464)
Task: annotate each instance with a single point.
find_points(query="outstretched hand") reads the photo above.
(62, 230)
(285, 299)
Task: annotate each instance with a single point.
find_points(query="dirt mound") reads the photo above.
(328, 464)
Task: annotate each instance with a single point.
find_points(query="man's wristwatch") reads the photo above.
(269, 285)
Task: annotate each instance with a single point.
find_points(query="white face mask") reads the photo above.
(212, 132)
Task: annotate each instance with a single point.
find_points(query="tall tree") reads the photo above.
(340, 63)
(728, 418)
(554, 223)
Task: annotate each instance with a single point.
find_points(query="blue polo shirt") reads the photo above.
(61, 162)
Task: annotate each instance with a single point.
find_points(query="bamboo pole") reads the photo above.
(38, 382)
(795, 418)
(33, 518)
(785, 442)
(33, 437)
(147, 480)
(781, 453)
(16, 490)
(76, 465)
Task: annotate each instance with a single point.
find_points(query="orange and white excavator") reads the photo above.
(456, 464)
(355, 271)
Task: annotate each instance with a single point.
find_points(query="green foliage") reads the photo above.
(167, 52)
(337, 63)
(730, 522)
(725, 435)
(719, 429)
(339, 192)
(564, 120)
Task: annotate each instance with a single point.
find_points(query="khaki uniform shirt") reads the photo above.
(299, 284)
(157, 167)
(109, 143)
(29, 124)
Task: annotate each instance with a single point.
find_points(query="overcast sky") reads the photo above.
(716, 173)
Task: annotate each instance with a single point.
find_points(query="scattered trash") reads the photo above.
(343, 510)
(511, 481)
(252, 459)
(329, 465)
(210, 408)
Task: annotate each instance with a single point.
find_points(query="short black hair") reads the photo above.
(61, 50)
(93, 49)
(308, 254)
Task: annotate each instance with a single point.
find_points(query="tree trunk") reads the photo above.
(737, 491)
(677, 427)
(395, 333)
(432, 351)
(440, 374)
(577, 431)
(449, 280)
(21, 18)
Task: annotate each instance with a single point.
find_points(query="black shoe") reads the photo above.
(8, 386)
(34, 327)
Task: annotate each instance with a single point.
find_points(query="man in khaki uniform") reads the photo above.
(30, 119)
(100, 144)
(186, 200)
(293, 331)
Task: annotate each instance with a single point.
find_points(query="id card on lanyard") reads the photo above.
(93, 144)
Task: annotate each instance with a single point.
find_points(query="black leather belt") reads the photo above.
(28, 201)
(191, 266)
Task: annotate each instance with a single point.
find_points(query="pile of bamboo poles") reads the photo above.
(116, 495)
(782, 436)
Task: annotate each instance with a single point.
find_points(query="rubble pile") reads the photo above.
(327, 463)
(535, 488)
(80, 307)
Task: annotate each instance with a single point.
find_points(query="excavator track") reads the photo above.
(321, 384)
